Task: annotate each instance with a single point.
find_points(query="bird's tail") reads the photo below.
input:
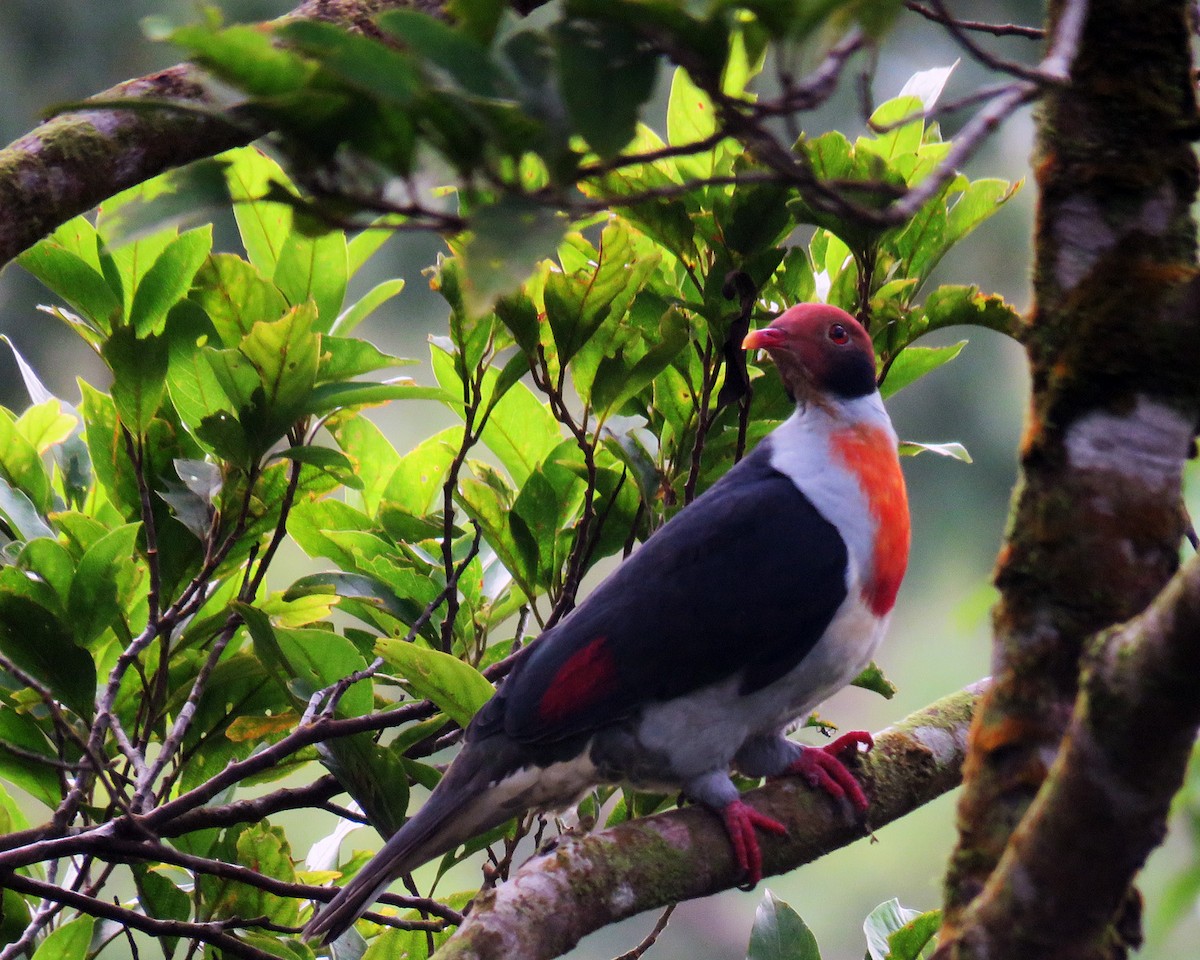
(459, 808)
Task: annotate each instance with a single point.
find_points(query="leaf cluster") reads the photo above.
(152, 674)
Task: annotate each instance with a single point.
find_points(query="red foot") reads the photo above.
(823, 769)
(740, 821)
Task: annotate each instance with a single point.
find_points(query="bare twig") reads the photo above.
(651, 938)
(976, 26)
(984, 56)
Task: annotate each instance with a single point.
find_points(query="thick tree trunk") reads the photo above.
(1113, 344)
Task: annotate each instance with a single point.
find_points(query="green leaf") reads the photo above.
(18, 766)
(602, 286)
(456, 687)
(316, 269)
(245, 56)
(36, 640)
(779, 933)
(912, 363)
(357, 586)
(598, 55)
(285, 354)
(911, 448)
(76, 280)
(267, 849)
(392, 943)
(168, 280)
(872, 679)
(21, 464)
(47, 424)
(951, 305)
(365, 244)
(373, 68)
(99, 592)
(521, 431)
(979, 201)
(160, 898)
(690, 119)
(416, 483)
(758, 217)
(50, 561)
(139, 366)
(374, 458)
(902, 139)
(192, 502)
(478, 18)
(371, 301)
(343, 358)
(617, 381)
(887, 919)
(311, 521)
(263, 224)
(188, 196)
(307, 660)
(747, 53)
(916, 938)
(69, 942)
(336, 396)
(236, 296)
(333, 462)
(21, 515)
(462, 56)
(195, 390)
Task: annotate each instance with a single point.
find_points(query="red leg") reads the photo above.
(823, 769)
(740, 820)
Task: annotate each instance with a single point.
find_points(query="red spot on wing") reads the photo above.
(870, 455)
(581, 682)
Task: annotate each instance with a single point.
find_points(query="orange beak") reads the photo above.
(763, 339)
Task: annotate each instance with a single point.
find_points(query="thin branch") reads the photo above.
(45, 912)
(136, 451)
(976, 26)
(110, 848)
(250, 590)
(968, 141)
(213, 933)
(183, 721)
(64, 729)
(1067, 35)
(984, 56)
(651, 938)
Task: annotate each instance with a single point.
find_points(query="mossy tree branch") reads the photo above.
(74, 161)
(588, 882)
(1105, 803)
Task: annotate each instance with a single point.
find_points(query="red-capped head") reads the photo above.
(821, 351)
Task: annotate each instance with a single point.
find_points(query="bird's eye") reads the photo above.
(839, 334)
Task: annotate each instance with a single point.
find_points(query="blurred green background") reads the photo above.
(60, 50)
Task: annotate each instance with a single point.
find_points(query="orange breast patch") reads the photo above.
(868, 452)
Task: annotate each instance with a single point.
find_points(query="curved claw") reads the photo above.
(740, 821)
(823, 769)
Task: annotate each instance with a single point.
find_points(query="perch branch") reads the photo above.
(586, 882)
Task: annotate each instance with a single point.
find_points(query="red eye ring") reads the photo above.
(839, 334)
